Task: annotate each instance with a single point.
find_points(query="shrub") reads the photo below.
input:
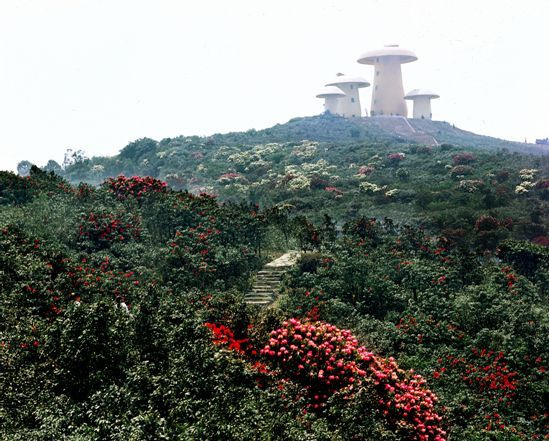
(527, 258)
(463, 158)
(309, 262)
(486, 223)
(99, 229)
(324, 360)
(136, 186)
(461, 170)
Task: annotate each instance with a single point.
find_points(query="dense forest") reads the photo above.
(417, 309)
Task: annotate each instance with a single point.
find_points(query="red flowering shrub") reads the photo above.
(224, 336)
(463, 158)
(81, 281)
(104, 228)
(486, 223)
(541, 240)
(324, 360)
(365, 170)
(484, 371)
(84, 191)
(336, 191)
(194, 248)
(396, 157)
(136, 186)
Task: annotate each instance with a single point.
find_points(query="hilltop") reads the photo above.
(379, 129)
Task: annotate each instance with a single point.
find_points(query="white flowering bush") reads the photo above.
(524, 187)
(370, 187)
(299, 182)
(306, 150)
(470, 185)
(392, 193)
(527, 174)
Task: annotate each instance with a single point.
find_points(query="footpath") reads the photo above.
(267, 282)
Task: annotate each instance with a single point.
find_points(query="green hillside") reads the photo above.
(348, 169)
(416, 308)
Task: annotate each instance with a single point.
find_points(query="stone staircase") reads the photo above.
(267, 282)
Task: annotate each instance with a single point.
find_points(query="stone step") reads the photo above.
(258, 298)
(260, 293)
(268, 279)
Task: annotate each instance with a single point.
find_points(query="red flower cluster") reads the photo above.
(108, 227)
(84, 281)
(510, 277)
(325, 360)
(487, 372)
(223, 336)
(136, 186)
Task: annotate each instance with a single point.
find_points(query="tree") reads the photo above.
(23, 168)
(53, 166)
(73, 157)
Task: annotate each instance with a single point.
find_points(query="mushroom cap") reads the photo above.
(404, 55)
(347, 79)
(330, 91)
(421, 92)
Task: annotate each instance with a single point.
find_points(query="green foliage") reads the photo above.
(105, 290)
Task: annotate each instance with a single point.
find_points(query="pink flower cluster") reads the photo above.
(326, 359)
(336, 191)
(396, 157)
(230, 176)
(136, 186)
(365, 170)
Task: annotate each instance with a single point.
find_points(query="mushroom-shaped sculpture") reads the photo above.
(331, 96)
(349, 106)
(422, 102)
(388, 92)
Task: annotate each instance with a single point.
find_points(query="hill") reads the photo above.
(379, 129)
(348, 168)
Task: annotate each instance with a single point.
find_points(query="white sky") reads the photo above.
(97, 74)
